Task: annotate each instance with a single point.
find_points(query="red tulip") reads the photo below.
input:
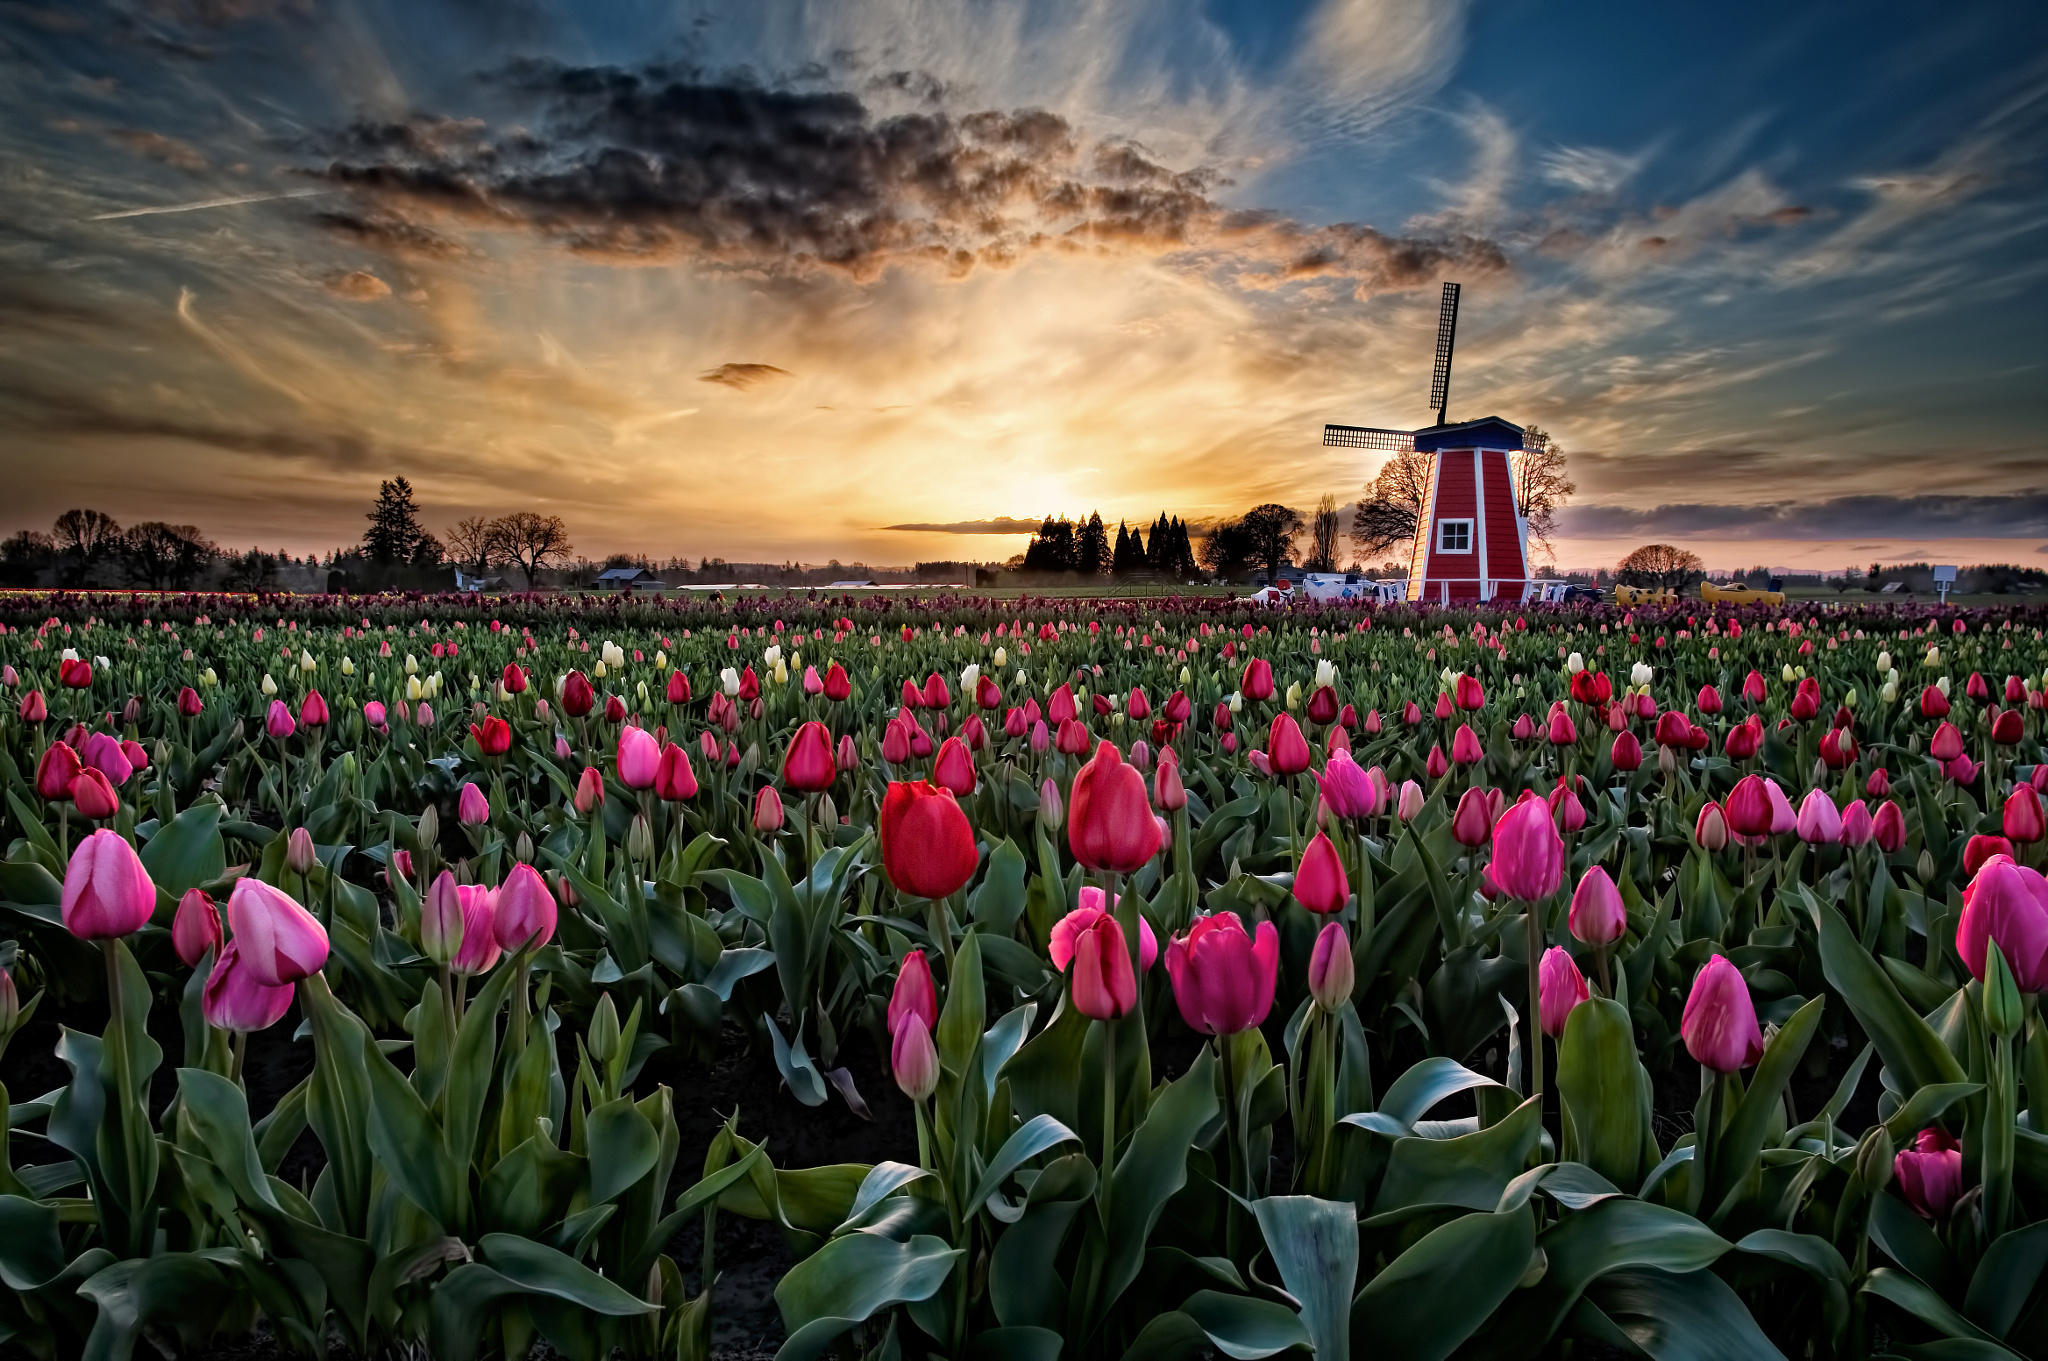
(914, 994)
(56, 771)
(808, 765)
(1465, 748)
(1748, 807)
(1472, 823)
(2009, 728)
(1857, 826)
(1888, 827)
(1319, 882)
(675, 780)
(1099, 964)
(1322, 706)
(1060, 707)
(589, 790)
(1709, 700)
(493, 736)
(1933, 703)
(1930, 1174)
(954, 770)
(189, 705)
(579, 697)
(1468, 692)
(1976, 688)
(1257, 682)
(1443, 708)
(74, 673)
(1223, 977)
(1286, 748)
(837, 686)
(313, 710)
(928, 849)
(1067, 930)
(1561, 731)
(1981, 848)
(2022, 817)
(513, 679)
(281, 942)
(1627, 752)
(92, 793)
(1110, 824)
(1560, 987)
(1719, 1022)
(987, 694)
(1169, 795)
(33, 707)
(1073, 738)
(1753, 687)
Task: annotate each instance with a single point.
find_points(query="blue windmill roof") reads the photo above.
(1490, 432)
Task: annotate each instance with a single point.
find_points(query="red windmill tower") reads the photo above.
(1472, 536)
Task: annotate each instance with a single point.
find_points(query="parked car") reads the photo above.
(1565, 593)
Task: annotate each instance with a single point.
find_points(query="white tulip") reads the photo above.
(268, 687)
(729, 679)
(1575, 663)
(1640, 674)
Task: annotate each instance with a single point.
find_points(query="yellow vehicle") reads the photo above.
(1644, 595)
(1738, 594)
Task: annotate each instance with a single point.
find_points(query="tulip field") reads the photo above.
(1020, 979)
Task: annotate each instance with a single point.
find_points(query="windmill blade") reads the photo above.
(1446, 337)
(1368, 437)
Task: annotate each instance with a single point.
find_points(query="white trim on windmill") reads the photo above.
(1487, 564)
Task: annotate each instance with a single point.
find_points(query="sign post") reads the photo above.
(1944, 580)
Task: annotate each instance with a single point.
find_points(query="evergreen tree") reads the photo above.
(395, 533)
(1130, 552)
(1091, 548)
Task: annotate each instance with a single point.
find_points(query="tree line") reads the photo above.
(1083, 548)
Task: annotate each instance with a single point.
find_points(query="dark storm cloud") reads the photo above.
(655, 163)
(72, 414)
(1001, 524)
(390, 235)
(742, 376)
(1843, 517)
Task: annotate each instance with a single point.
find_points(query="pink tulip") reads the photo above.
(913, 1059)
(278, 722)
(281, 941)
(233, 998)
(472, 809)
(480, 949)
(1411, 801)
(768, 811)
(107, 893)
(1068, 929)
(526, 910)
(1857, 826)
(639, 757)
(954, 768)
(1783, 817)
(195, 929)
(1465, 748)
(441, 920)
(2022, 817)
(2008, 903)
(1347, 790)
(1819, 822)
(1528, 853)
(1559, 988)
(1930, 1174)
(1223, 977)
(1597, 916)
(1331, 971)
(104, 753)
(1719, 1022)
(1710, 832)
(313, 711)
(1472, 822)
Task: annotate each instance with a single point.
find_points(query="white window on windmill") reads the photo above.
(1453, 536)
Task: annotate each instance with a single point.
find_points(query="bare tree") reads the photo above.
(1541, 485)
(1323, 529)
(86, 538)
(473, 543)
(532, 540)
(1392, 504)
(160, 555)
(1660, 565)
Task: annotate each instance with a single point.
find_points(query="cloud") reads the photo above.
(159, 147)
(743, 376)
(1590, 170)
(1844, 517)
(390, 235)
(71, 414)
(660, 163)
(358, 285)
(999, 524)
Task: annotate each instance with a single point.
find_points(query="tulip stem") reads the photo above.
(1600, 961)
(238, 1046)
(1108, 1116)
(1534, 1030)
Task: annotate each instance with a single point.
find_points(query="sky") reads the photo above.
(883, 280)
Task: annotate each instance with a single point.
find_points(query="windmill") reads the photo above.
(1471, 538)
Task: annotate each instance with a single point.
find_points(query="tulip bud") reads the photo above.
(768, 813)
(913, 1059)
(603, 1037)
(2002, 1007)
(1051, 808)
(299, 855)
(1874, 1159)
(1331, 972)
(429, 830)
(640, 839)
(441, 920)
(10, 1006)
